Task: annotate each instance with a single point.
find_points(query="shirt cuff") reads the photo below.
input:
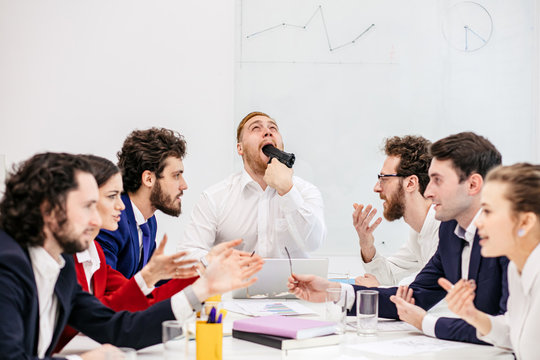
(142, 284)
(292, 200)
(73, 357)
(181, 307)
(428, 325)
(347, 292)
(373, 263)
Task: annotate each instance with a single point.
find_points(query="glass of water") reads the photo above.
(367, 312)
(173, 338)
(335, 309)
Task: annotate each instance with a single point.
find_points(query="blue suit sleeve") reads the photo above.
(459, 330)
(426, 291)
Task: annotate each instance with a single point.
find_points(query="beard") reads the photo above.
(163, 202)
(254, 161)
(69, 241)
(395, 205)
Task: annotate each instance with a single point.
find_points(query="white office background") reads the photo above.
(339, 77)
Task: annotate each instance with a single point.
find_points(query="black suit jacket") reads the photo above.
(489, 274)
(19, 309)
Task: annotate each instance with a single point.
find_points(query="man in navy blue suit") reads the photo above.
(460, 163)
(152, 173)
(49, 211)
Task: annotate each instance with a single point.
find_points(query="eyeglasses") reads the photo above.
(381, 177)
(290, 261)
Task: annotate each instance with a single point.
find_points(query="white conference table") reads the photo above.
(240, 349)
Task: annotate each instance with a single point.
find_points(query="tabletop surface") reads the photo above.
(240, 349)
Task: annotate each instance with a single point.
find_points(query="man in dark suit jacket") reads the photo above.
(460, 163)
(49, 208)
(152, 173)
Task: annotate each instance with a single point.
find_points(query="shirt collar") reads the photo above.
(246, 179)
(89, 255)
(44, 264)
(468, 234)
(530, 270)
(139, 218)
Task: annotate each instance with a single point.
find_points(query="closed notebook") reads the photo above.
(289, 327)
(283, 343)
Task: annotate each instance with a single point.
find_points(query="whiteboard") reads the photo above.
(340, 76)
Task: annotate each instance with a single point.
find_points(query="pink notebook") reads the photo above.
(286, 326)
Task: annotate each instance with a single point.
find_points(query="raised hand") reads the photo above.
(367, 280)
(163, 266)
(460, 300)
(278, 176)
(460, 297)
(310, 287)
(364, 228)
(227, 272)
(220, 248)
(406, 309)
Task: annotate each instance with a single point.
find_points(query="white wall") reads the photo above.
(78, 76)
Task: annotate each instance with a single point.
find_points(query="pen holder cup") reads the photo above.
(209, 340)
(212, 300)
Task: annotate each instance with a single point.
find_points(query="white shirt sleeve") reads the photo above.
(200, 234)
(142, 284)
(304, 213)
(347, 291)
(499, 334)
(428, 324)
(391, 270)
(181, 307)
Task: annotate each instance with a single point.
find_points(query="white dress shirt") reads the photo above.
(410, 258)
(519, 328)
(237, 207)
(46, 271)
(139, 219)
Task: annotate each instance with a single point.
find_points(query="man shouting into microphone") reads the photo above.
(264, 204)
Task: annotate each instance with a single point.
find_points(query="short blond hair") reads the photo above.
(245, 120)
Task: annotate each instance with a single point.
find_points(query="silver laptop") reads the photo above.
(272, 279)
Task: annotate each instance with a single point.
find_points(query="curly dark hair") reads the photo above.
(102, 169)
(413, 152)
(43, 180)
(470, 153)
(147, 150)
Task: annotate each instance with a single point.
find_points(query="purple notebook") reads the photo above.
(286, 326)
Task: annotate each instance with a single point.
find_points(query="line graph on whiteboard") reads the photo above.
(318, 32)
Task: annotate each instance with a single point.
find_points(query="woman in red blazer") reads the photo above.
(109, 285)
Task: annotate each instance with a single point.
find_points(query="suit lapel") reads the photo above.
(133, 232)
(62, 290)
(454, 261)
(476, 258)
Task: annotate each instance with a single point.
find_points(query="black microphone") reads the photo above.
(282, 156)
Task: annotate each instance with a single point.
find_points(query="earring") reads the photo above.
(521, 232)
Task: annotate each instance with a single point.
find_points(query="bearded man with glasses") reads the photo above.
(401, 184)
